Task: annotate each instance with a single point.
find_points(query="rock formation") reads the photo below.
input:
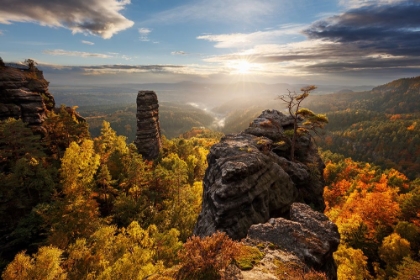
(250, 179)
(308, 235)
(252, 189)
(24, 94)
(148, 139)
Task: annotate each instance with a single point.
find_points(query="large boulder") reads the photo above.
(308, 234)
(251, 179)
(243, 185)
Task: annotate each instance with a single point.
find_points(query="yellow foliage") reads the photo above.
(394, 248)
(44, 265)
(352, 264)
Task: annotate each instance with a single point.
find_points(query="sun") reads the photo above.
(242, 67)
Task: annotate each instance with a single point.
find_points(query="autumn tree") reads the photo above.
(74, 214)
(393, 250)
(203, 258)
(352, 263)
(64, 126)
(109, 252)
(409, 269)
(45, 264)
(304, 120)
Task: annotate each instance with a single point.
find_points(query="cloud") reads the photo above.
(393, 29)
(179, 53)
(219, 10)
(240, 40)
(377, 38)
(1, 32)
(153, 69)
(88, 43)
(351, 4)
(76, 53)
(144, 32)
(98, 17)
(193, 70)
(131, 67)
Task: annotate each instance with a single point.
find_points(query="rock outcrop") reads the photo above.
(148, 137)
(250, 178)
(308, 235)
(24, 94)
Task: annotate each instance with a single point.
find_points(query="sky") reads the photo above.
(353, 42)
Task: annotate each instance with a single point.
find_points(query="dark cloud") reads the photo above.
(393, 29)
(99, 17)
(366, 63)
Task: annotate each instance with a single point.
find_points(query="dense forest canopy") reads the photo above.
(81, 203)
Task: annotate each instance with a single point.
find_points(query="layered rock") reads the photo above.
(148, 137)
(308, 235)
(251, 179)
(24, 94)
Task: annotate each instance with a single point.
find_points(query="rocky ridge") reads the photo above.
(24, 94)
(148, 137)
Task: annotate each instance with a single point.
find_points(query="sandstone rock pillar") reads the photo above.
(148, 139)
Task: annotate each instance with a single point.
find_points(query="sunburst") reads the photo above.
(242, 67)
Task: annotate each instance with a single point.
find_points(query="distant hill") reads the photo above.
(381, 126)
(401, 96)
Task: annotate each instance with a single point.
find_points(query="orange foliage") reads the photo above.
(334, 195)
(356, 189)
(395, 117)
(378, 208)
(412, 127)
(203, 258)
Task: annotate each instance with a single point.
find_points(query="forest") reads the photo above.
(80, 204)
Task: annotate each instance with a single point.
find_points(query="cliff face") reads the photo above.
(148, 138)
(250, 178)
(24, 94)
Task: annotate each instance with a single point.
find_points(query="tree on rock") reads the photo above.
(304, 120)
(31, 64)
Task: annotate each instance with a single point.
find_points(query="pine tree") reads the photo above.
(311, 121)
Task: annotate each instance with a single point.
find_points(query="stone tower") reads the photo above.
(148, 139)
